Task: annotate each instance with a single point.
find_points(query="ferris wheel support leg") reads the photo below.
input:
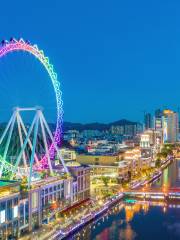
(45, 144)
(6, 129)
(8, 141)
(33, 150)
(9, 137)
(1, 168)
(54, 143)
(25, 132)
(25, 143)
(21, 139)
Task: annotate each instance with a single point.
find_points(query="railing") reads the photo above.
(170, 195)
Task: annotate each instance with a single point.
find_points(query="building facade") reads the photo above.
(81, 185)
(22, 210)
(147, 121)
(98, 159)
(170, 126)
(9, 209)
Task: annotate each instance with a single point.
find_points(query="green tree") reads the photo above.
(158, 162)
(105, 180)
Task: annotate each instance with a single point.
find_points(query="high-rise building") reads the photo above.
(170, 126)
(127, 128)
(147, 121)
(158, 113)
(158, 120)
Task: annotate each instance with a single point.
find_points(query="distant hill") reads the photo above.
(122, 122)
(88, 126)
(96, 125)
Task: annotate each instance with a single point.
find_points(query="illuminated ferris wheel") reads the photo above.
(27, 158)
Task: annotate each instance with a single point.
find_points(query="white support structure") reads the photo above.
(25, 132)
(9, 136)
(21, 139)
(28, 138)
(46, 145)
(54, 143)
(25, 142)
(34, 148)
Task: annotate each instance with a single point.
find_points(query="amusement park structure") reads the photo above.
(35, 183)
(22, 166)
(25, 46)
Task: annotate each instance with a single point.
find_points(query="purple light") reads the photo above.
(21, 45)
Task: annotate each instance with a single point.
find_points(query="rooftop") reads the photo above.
(5, 183)
(8, 188)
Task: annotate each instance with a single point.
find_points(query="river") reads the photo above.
(140, 220)
(170, 177)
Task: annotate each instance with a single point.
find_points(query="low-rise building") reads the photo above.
(107, 160)
(23, 210)
(118, 171)
(67, 154)
(151, 137)
(123, 169)
(9, 209)
(97, 171)
(81, 184)
(40, 204)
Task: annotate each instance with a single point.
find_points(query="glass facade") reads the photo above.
(25, 211)
(9, 218)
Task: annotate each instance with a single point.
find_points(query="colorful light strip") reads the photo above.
(21, 45)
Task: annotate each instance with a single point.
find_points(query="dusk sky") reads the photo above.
(114, 59)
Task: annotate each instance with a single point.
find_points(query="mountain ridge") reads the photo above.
(96, 125)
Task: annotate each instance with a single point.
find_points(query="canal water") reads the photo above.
(170, 177)
(139, 220)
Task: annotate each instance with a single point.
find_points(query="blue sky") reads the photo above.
(114, 59)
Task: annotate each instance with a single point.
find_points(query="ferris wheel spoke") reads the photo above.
(45, 144)
(25, 142)
(6, 129)
(34, 148)
(9, 136)
(25, 132)
(21, 139)
(54, 143)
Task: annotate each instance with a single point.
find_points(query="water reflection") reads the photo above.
(130, 210)
(127, 233)
(170, 177)
(141, 220)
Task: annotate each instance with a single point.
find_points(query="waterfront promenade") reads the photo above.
(73, 220)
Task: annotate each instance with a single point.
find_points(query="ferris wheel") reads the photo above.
(21, 165)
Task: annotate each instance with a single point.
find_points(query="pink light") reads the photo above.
(21, 45)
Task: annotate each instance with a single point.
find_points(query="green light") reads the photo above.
(165, 177)
(130, 201)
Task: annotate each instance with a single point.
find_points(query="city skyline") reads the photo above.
(105, 54)
(106, 163)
